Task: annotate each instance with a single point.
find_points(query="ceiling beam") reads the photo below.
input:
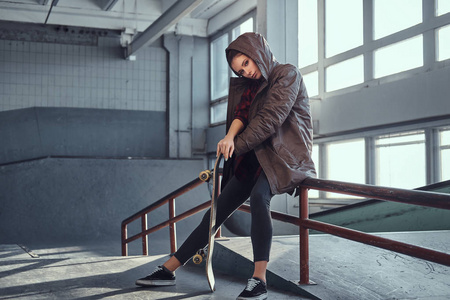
(170, 17)
(106, 5)
(54, 3)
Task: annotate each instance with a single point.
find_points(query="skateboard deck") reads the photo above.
(212, 225)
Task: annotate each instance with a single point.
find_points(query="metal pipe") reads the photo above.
(124, 237)
(422, 198)
(358, 236)
(145, 237)
(304, 237)
(185, 188)
(180, 217)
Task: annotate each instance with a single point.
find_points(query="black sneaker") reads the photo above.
(161, 276)
(255, 290)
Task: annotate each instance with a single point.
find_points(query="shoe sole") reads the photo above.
(260, 297)
(154, 283)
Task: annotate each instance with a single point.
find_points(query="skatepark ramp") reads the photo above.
(409, 197)
(381, 216)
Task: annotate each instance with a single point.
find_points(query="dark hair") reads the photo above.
(231, 54)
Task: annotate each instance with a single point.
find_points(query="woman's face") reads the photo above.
(245, 66)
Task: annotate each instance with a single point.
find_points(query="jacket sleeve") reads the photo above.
(280, 98)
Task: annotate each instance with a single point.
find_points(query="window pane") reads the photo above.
(443, 7)
(346, 162)
(219, 112)
(399, 57)
(307, 33)
(400, 160)
(219, 68)
(247, 26)
(391, 16)
(443, 41)
(343, 25)
(445, 154)
(312, 83)
(315, 156)
(344, 74)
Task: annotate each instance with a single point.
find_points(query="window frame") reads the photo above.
(229, 31)
(431, 22)
(433, 149)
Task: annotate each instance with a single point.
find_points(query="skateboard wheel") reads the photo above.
(197, 259)
(205, 175)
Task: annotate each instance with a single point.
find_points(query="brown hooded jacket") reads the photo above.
(279, 126)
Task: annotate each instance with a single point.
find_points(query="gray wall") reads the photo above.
(421, 96)
(37, 132)
(67, 73)
(81, 200)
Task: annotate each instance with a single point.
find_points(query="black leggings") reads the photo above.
(233, 195)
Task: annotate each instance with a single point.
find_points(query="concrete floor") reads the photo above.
(89, 272)
(342, 270)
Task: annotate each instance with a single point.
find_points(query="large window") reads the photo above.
(443, 7)
(344, 25)
(315, 157)
(396, 159)
(346, 162)
(388, 20)
(443, 43)
(220, 71)
(399, 57)
(444, 153)
(308, 44)
(344, 74)
(352, 44)
(400, 160)
(312, 83)
(219, 67)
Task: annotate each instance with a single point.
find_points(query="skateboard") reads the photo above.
(208, 250)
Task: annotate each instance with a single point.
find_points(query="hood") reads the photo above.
(255, 46)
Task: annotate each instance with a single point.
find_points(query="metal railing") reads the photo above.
(414, 197)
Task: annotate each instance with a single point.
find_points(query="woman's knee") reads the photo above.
(260, 199)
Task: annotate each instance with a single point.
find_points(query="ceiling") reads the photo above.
(106, 14)
(150, 18)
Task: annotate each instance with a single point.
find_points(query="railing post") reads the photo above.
(145, 237)
(124, 237)
(172, 227)
(304, 237)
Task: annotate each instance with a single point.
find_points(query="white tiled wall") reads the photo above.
(57, 75)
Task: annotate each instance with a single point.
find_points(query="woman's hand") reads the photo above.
(226, 147)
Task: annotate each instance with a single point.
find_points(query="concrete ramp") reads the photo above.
(382, 216)
(344, 269)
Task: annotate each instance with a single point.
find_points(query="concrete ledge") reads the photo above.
(345, 269)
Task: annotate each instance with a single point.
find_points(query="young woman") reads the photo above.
(267, 151)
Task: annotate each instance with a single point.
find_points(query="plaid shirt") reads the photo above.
(247, 165)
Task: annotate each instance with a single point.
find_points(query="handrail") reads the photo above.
(142, 214)
(413, 197)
